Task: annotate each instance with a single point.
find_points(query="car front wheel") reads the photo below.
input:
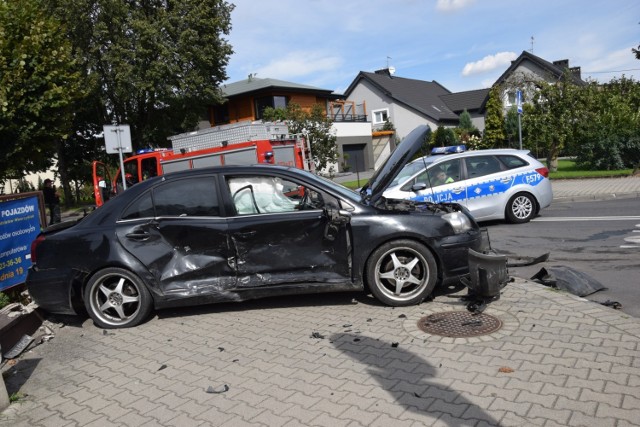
(521, 208)
(117, 298)
(401, 273)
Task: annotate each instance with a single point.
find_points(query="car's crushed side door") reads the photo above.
(177, 231)
(284, 234)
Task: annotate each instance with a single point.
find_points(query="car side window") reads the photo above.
(187, 197)
(440, 174)
(142, 207)
(271, 194)
(512, 162)
(478, 166)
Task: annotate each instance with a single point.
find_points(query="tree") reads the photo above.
(39, 82)
(512, 130)
(314, 125)
(494, 134)
(156, 65)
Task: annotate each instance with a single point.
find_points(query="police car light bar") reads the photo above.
(450, 149)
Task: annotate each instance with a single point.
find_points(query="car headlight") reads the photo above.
(459, 222)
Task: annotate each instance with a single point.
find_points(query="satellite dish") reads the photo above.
(392, 70)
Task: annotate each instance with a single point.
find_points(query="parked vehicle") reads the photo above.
(234, 233)
(242, 143)
(493, 184)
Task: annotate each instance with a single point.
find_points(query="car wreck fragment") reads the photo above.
(234, 233)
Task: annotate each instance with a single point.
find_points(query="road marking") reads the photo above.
(587, 218)
(629, 247)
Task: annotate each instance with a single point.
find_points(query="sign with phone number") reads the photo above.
(19, 226)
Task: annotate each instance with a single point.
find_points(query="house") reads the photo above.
(528, 69)
(247, 99)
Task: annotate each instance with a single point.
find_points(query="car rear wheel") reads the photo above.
(521, 208)
(401, 273)
(117, 298)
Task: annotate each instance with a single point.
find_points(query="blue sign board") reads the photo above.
(19, 226)
(519, 100)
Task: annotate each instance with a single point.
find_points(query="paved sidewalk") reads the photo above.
(339, 360)
(343, 360)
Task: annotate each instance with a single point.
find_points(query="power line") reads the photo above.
(614, 71)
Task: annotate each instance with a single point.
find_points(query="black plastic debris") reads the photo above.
(19, 347)
(317, 335)
(568, 279)
(526, 261)
(162, 367)
(487, 275)
(221, 349)
(477, 307)
(394, 345)
(402, 316)
(613, 304)
(221, 389)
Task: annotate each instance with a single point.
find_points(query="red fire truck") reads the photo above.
(237, 144)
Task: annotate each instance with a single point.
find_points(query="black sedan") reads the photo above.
(234, 233)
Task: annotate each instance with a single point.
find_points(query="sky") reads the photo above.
(461, 44)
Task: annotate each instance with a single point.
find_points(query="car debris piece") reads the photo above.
(613, 304)
(19, 347)
(487, 276)
(568, 279)
(221, 389)
(317, 335)
(527, 261)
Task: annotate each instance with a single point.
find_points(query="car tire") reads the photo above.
(401, 273)
(117, 298)
(521, 208)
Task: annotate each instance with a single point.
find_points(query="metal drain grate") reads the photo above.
(459, 324)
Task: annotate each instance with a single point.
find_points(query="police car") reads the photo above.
(493, 184)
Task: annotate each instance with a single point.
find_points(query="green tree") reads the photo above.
(156, 65)
(39, 83)
(314, 125)
(494, 133)
(512, 130)
(555, 116)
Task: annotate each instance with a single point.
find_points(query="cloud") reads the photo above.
(453, 5)
(489, 63)
(298, 64)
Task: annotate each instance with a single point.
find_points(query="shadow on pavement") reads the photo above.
(412, 390)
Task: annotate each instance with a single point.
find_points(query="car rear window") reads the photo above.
(513, 162)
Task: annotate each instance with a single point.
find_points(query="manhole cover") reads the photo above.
(459, 324)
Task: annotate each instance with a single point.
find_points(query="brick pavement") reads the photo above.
(573, 362)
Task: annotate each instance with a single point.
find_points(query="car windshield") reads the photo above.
(411, 169)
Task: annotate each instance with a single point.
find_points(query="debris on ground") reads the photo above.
(505, 370)
(221, 389)
(317, 335)
(613, 304)
(568, 279)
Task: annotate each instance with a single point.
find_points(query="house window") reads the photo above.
(269, 101)
(380, 116)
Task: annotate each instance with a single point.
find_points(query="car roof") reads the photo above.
(433, 159)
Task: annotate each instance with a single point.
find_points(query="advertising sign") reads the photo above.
(19, 226)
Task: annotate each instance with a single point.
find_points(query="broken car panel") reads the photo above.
(234, 233)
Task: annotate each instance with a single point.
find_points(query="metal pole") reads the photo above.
(117, 130)
(520, 131)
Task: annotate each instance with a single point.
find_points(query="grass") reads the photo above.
(567, 169)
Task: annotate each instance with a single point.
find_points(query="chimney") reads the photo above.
(563, 63)
(384, 72)
(576, 72)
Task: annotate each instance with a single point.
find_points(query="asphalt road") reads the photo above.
(598, 238)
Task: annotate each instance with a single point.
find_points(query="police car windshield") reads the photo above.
(410, 169)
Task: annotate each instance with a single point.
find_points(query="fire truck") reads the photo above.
(236, 144)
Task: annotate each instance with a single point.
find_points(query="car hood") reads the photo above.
(404, 152)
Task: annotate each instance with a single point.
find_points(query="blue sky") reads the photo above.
(461, 44)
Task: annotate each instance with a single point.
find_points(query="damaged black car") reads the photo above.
(234, 233)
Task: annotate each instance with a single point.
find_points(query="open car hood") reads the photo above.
(404, 152)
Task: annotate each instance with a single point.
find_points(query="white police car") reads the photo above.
(493, 184)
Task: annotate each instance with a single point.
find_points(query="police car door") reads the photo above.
(439, 188)
(488, 182)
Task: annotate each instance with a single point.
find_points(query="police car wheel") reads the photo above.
(117, 298)
(401, 273)
(521, 208)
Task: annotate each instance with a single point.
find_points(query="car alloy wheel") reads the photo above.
(116, 298)
(401, 272)
(521, 208)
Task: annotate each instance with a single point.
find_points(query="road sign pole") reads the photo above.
(519, 105)
(117, 130)
(520, 130)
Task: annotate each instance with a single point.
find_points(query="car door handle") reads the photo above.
(138, 235)
(457, 190)
(505, 180)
